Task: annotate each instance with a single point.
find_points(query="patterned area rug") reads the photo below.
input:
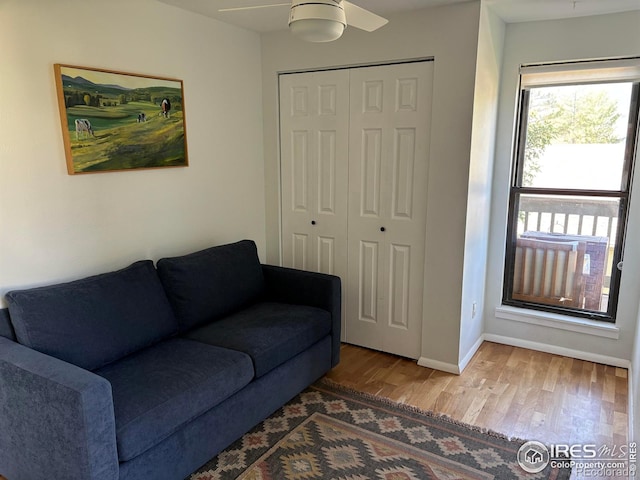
(329, 432)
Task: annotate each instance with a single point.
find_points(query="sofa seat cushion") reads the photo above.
(209, 284)
(270, 333)
(95, 320)
(161, 388)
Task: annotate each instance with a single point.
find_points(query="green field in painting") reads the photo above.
(120, 142)
(109, 117)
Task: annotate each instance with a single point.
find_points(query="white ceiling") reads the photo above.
(275, 18)
(513, 11)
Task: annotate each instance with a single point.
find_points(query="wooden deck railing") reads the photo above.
(594, 219)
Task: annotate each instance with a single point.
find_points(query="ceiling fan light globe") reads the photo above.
(317, 22)
(317, 30)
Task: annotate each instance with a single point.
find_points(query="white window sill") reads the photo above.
(562, 322)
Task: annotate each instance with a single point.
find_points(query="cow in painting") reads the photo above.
(83, 128)
(165, 106)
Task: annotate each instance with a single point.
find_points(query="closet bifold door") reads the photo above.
(314, 151)
(354, 147)
(390, 112)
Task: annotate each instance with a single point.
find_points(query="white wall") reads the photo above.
(54, 226)
(603, 36)
(450, 35)
(485, 116)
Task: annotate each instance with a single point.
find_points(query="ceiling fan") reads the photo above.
(323, 20)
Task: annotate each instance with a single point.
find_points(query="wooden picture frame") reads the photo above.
(114, 121)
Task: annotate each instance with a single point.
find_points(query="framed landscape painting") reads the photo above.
(120, 121)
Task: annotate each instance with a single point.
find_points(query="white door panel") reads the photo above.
(314, 134)
(389, 123)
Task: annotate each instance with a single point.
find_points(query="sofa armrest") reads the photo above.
(288, 285)
(56, 419)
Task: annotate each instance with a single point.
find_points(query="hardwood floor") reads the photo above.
(518, 392)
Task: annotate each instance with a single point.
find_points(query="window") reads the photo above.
(573, 161)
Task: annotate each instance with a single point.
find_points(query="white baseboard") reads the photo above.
(566, 352)
(438, 365)
(452, 367)
(467, 358)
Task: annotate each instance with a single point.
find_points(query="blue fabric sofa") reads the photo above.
(149, 371)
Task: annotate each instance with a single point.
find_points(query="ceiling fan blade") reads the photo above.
(363, 19)
(254, 7)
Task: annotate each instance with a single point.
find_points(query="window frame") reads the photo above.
(516, 190)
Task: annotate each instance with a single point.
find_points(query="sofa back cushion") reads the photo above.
(96, 320)
(6, 329)
(206, 285)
